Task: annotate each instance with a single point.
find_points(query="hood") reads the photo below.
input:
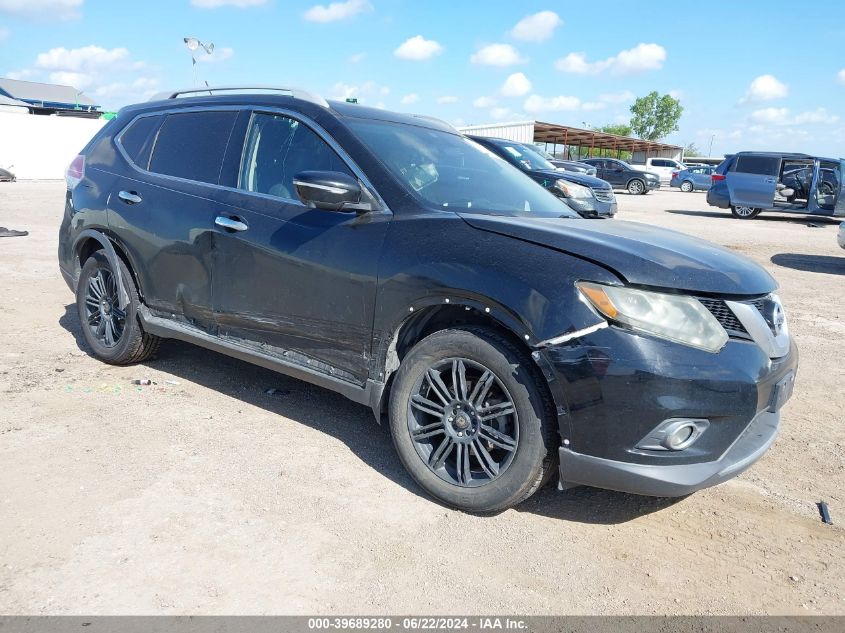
(638, 253)
(570, 176)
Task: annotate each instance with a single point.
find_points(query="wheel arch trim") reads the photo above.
(111, 255)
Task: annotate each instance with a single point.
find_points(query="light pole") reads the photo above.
(710, 151)
(194, 45)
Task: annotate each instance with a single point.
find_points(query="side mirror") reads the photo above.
(329, 190)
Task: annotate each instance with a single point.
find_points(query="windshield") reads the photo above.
(450, 172)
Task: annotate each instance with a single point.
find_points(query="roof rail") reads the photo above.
(296, 93)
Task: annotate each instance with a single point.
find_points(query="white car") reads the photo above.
(663, 167)
(841, 237)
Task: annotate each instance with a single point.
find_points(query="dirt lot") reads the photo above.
(203, 494)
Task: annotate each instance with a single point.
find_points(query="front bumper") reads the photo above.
(612, 387)
(675, 480)
(651, 185)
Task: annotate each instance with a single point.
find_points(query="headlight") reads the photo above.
(571, 190)
(674, 317)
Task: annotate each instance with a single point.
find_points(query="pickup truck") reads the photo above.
(663, 167)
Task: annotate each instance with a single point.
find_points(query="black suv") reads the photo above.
(622, 176)
(389, 258)
(586, 195)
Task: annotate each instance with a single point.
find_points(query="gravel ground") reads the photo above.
(203, 494)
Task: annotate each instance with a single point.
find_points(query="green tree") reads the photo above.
(621, 129)
(655, 116)
(691, 149)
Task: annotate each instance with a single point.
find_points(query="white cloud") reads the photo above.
(500, 114)
(840, 76)
(87, 58)
(357, 58)
(218, 55)
(819, 115)
(418, 48)
(110, 76)
(537, 27)
(536, 103)
(42, 9)
(139, 90)
(337, 11)
(238, 4)
(497, 55)
(781, 116)
(484, 102)
(80, 81)
(639, 59)
(777, 116)
(410, 98)
(516, 85)
(765, 88)
(447, 99)
(24, 73)
(618, 97)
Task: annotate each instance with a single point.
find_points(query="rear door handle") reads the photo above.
(230, 223)
(129, 197)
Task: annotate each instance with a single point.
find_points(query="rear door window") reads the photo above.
(137, 139)
(762, 165)
(191, 145)
(279, 147)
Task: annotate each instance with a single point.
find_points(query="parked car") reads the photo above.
(749, 183)
(663, 167)
(388, 258)
(566, 165)
(841, 236)
(692, 179)
(588, 196)
(623, 176)
(6, 175)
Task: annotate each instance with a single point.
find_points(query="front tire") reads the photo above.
(636, 187)
(471, 420)
(687, 186)
(114, 334)
(745, 213)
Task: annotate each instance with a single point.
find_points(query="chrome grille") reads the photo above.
(603, 195)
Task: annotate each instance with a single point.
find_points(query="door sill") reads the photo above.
(370, 394)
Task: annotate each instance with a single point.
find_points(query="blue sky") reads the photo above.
(757, 74)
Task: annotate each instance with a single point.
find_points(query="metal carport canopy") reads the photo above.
(565, 135)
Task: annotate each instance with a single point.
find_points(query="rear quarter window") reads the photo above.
(137, 139)
(191, 145)
(762, 165)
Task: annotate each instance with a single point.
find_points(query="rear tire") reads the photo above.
(745, 213)
(114, 334)
(687, 186)
(473, 448)
(636, 187)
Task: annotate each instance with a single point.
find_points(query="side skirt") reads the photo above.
(369, 395)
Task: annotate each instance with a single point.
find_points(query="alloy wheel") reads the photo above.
(635, 187)
(744, 211)
(104, 317)
(463, 422)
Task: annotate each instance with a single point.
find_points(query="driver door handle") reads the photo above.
(230, 223)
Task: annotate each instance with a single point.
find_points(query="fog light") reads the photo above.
(681, 437)
(675, 434)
